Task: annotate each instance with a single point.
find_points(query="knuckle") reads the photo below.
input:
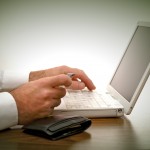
(46, 94)
(58, 102)
(81, 71)
(55, 103)
(64, 67)
(61, 93)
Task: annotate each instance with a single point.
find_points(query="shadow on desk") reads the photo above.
(105, 133)
(16, 139)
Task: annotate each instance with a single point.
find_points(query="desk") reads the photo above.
(129, 132)
(105, 133)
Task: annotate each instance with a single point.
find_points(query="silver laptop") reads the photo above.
(124, 88)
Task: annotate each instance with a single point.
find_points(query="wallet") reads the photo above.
(57, 127)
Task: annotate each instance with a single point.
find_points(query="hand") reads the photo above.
(37, 99)
(80, 80)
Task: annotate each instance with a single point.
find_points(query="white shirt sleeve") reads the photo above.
(8, 109)
(10, 80)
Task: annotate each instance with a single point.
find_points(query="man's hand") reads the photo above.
(38, 98)
(79, 81)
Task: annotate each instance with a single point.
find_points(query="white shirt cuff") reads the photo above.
(8, 111)
(11, 79)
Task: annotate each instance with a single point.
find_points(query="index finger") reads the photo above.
(80, 74)
(84, 78)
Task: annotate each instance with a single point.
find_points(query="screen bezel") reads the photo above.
(128, 106)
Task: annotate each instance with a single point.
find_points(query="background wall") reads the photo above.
(89, 34)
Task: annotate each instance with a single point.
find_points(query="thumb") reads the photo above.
(59, 80)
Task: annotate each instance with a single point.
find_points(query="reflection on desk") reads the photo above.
(105, 133)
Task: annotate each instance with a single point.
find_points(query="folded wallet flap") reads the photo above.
(56, 127)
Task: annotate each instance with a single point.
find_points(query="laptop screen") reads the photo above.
(133, 64)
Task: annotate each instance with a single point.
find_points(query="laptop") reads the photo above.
(124, 87)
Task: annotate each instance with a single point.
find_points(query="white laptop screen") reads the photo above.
(133, 64)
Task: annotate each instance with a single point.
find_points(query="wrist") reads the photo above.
(35, 75)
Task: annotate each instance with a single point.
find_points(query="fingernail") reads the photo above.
(81, 85)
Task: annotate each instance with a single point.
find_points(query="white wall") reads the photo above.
(89, 34)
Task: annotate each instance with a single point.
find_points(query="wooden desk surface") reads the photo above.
(105, 133)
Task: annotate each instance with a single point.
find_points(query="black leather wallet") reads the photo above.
(57, 127)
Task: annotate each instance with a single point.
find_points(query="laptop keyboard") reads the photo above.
(86, 100)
